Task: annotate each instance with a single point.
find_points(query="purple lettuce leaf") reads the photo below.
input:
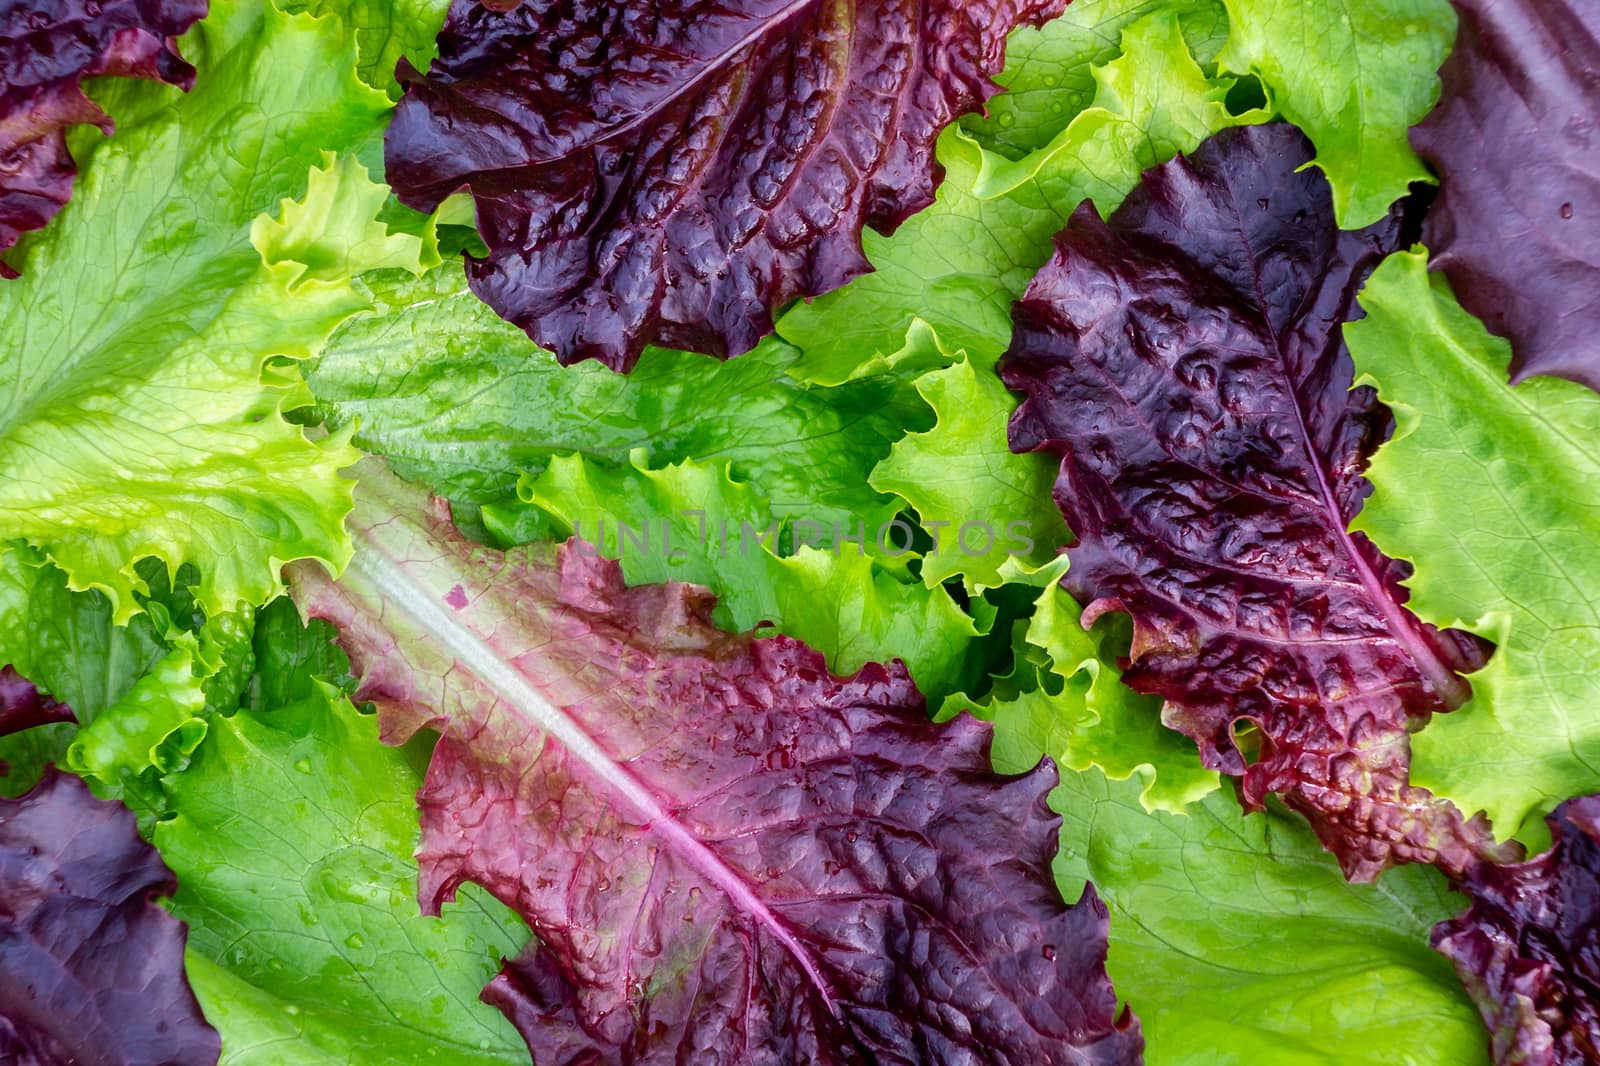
(22, 706)
(727, 854)
(47, 49)
(91, 968)
(672, 172)
(1184, 359)
(1528, 949)
(1516, 139)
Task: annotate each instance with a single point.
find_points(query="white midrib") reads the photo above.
(518, 695)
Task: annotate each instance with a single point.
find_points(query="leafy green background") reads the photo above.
(226, 723)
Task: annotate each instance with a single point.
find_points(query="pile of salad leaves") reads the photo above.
(983, 532)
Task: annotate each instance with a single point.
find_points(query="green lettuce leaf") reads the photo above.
(1236, 938)
(1355, 78)
(990, 509)
(141, 691)
(292, 837)
(1493, 492)
(385, 30)
(151, 342)
(723, 533)
(959, 264)
(1048, 76)
(1099, 721)
(463, 401)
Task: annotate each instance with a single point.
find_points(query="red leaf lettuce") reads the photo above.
(727, 854)
(91, 968)
(1528, 950)
(1184, 360)
(22, 706)
(47, 49)
(1516, 139)
(673, 172)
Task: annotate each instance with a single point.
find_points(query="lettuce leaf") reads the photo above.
(1495, 492)
(47, 49)
(1049, 73)
(23, 706)
(150, 347)
(93, 966)
(1354, 77)
(701, 168)
(292, 834)
(1525, 948)
(959, 264)
(726, 853)
(454, 396)
(1182, 361)
(1518, 215)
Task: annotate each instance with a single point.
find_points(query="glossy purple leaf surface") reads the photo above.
(1516, 140)
(22, 706)
(91, 967)
(47, 49)
(1184, 360)
(727, 854)
(672, 172)
(1528, 949)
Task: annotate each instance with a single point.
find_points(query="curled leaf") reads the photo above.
(1183, 360)
(675, 172)
(1525, 949)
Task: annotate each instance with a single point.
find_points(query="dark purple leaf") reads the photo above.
(47, 49)
(672, 172)
(91, 968)
(1184, 360)
(1528, 949)
(1516, 139)
(727, 855)
(22, 706)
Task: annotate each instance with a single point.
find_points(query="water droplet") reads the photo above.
(290, 1008)
(852, 836)
(1048, 951)
(355, 940)
(1566, 210)
(303, 765)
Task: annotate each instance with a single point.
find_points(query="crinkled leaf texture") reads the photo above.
(1183, 361)
(674, 172)
(727, 854)
(22, 706)
(91, 968)
(47, 49)
(149, 350)
(1495, 490)
(1526, 948)
(1516, 137)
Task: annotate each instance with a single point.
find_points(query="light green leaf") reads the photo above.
(1236, 939)
(1048, 79)
(960, 264)
(1355, 77)
(458, 398)
(1493, 492)
(1103, 723)
(147, 353)
(385, 30)
(292, 843)
(722, 533)
(985, 505)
